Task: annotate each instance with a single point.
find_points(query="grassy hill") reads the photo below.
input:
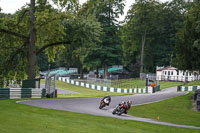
(19, 118)
(176, 110)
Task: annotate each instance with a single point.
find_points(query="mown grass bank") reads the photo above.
(166, 84)
(176, 110)
(19, 118)
(82, 91)
(129, 83)
(193, 83)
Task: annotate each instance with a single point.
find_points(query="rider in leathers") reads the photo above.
(128, 105)
(108, 98)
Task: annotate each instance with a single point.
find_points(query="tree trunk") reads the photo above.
(142, 53)
(97, 72)
(31, 45)
(81, 72)
(105, 71)
(1, 82)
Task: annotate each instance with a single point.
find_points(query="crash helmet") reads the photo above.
(129, 102)
(108, 95)
(123, 102)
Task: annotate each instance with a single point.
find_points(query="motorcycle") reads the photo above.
(120, 109)
(103, 103)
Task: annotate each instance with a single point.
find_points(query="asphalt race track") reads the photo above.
(90, 105)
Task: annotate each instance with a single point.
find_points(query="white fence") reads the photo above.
(177, 78)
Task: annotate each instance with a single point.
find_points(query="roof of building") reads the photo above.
(165, 68)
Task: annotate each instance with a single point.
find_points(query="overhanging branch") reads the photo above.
(51, 45)
(14, 34)
(6, 47)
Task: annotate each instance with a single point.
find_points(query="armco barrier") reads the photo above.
(108, 89)
(187, 88)
(17, 93)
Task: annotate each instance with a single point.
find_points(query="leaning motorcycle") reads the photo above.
(103, 103)
(120, 109)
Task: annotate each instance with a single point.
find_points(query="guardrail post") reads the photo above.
(179, 88)
(198, 102)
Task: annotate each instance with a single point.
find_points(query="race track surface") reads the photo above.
(90, 105)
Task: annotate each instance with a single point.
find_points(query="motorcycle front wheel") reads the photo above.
(114, 111)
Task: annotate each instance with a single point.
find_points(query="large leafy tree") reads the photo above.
(107, 12)
(85, 32)
(169, 19)
(28, 32)
(188, 40)
(161, 22)
(141, 23)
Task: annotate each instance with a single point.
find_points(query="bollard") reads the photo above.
(198, 102)
(197, 92)
(178, 88)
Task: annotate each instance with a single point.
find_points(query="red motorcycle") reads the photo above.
(103, 103)
(120, 109)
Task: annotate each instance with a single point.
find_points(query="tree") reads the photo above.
(107, 12)
(162, 21)
(31, 44)
(188, 40)
(22, 48)
(85, 32)
(140, 26)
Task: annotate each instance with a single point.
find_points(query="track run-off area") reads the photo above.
(91, 105)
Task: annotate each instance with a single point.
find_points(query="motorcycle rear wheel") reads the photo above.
(102, 105)
(121, 111)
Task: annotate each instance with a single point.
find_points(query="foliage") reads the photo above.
(51, 33)
(89, 36)
(15, 37)
(85, 32)
(106, 12)
(161, 22)
(188, 40)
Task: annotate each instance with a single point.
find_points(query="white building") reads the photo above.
(173, 74)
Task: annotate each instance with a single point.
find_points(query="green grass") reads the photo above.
(193, 83)
(83, 92)
(176, 110)
(19, 118)
(128, 83)
(166, 84)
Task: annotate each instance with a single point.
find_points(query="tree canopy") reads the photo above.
(90, 36)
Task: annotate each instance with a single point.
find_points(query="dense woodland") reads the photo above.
(64, 33)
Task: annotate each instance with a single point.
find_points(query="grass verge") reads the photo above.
(165, 84)
(82, 91)
(176, 110)
(193, 83)
(128, 83)
(19, 118)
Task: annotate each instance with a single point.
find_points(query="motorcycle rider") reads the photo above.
(107, 98)
(128, 106)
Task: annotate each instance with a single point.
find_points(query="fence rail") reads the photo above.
(17, 93)
(121, 83)
(98, 81)
(177, 78)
